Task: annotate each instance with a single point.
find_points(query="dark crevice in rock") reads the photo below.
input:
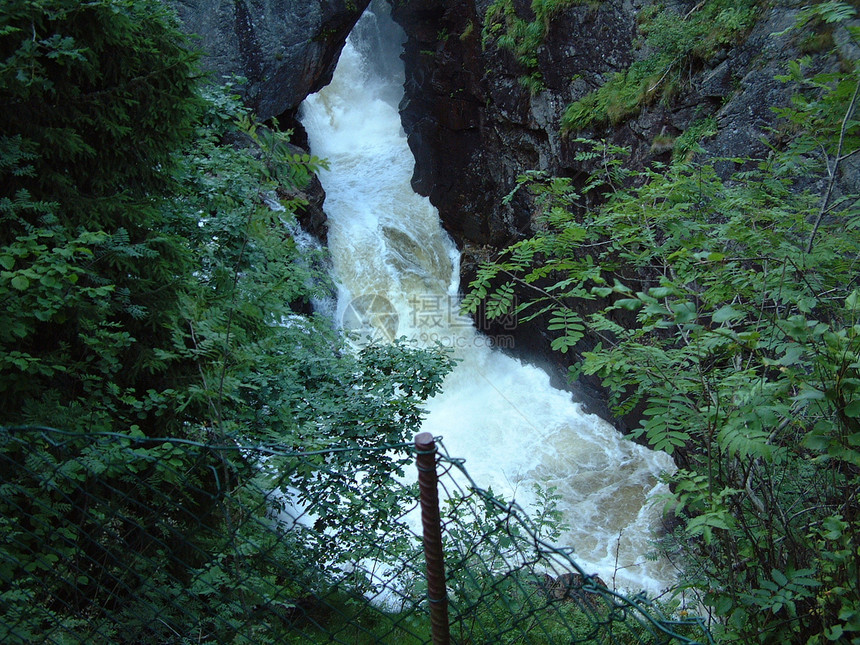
(249, 49)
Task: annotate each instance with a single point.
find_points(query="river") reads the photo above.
(398, 275)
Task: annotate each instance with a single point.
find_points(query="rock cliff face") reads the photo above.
(471, 124)
(285, 49)
(474, 126)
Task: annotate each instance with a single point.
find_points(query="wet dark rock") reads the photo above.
(474, 127)
(472, 124)
(587, 591)
(285, 49)
(752, 91)
(310, 214)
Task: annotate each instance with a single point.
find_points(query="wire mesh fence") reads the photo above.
(108, 538)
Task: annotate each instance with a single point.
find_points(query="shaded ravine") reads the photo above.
(397, 274)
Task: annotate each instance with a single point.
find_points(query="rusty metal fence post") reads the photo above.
(425, 448)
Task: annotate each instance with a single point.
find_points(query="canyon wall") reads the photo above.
(474, 126)
(286, 50)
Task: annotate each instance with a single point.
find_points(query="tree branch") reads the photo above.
(837, 160)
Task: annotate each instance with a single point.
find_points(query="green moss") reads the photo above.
(468, 31)
(680, 42)
(506, 30)
(532, 82)
(620, 97)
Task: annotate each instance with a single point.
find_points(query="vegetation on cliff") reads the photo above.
(678, 44)
(507, 30)
(742, 352)
(152, 286)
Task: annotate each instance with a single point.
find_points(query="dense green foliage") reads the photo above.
(726, 311)
(238, 569)
(150, 270)
(152, 280)
(89, 261)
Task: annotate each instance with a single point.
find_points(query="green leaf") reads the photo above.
(808, 394)
(792, 355)
(834, 633)
(779, 577)
(563, 343)
(726, 313)
(834, 11)
(685, 312)
(20, 282)
(853, 409)
(631, 304)
(661, 292)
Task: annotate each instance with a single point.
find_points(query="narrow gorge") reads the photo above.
(397, 272)
(478, 108)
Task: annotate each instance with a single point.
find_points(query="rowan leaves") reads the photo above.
(732, 321)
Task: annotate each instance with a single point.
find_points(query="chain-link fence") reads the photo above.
(108, 538)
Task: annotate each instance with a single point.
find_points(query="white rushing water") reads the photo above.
(397, 272)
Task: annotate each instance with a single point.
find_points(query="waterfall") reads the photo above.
(397, 274)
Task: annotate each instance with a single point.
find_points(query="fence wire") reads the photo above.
(109, 538)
